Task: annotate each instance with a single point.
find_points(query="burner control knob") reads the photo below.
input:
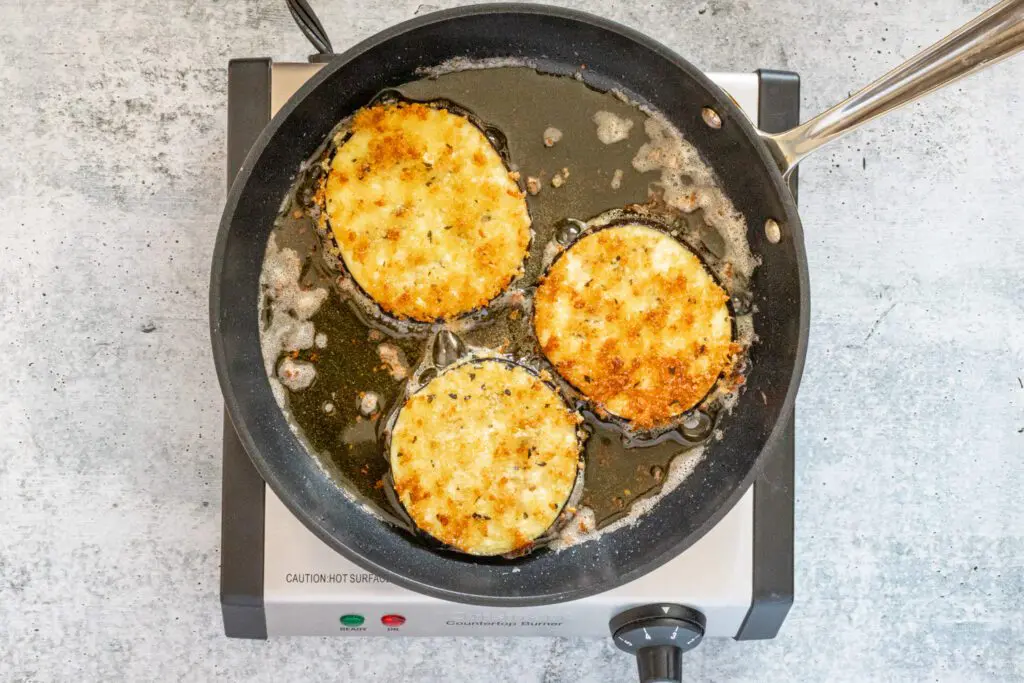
(658, 635)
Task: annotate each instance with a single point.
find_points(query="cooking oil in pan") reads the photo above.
(576, 151)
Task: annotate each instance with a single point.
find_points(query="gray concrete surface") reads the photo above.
(910, 530)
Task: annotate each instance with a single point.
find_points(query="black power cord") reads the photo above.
(311, 27)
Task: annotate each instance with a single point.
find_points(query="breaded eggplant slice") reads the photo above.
(429, 221)
(485, 456)
(632, 318)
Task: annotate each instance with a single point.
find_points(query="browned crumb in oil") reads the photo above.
(368, 403)
(560, 178)
(394, 360)
(617, 179)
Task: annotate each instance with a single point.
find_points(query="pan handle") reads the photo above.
(991, 37)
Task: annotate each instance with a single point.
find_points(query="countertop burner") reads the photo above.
(278, 579)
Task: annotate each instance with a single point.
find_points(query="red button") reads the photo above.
(392, 620)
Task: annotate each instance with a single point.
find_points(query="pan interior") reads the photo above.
(342, 415)
(557, 42)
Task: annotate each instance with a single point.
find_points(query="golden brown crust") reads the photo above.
(427, 218)
(485, 456)
(633, 320)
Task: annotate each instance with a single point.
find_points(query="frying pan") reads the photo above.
(752, 168)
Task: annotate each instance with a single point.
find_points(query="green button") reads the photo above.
(352, 620)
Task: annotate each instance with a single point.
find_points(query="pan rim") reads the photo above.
(238, 415)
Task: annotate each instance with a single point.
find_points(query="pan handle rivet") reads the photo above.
(697, 426)
(711, 118)
(772, 231)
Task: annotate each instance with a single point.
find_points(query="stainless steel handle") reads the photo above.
(993, 36)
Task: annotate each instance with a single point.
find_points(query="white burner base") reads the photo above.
(308, 588)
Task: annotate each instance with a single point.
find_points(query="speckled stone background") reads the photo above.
(910, 530)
